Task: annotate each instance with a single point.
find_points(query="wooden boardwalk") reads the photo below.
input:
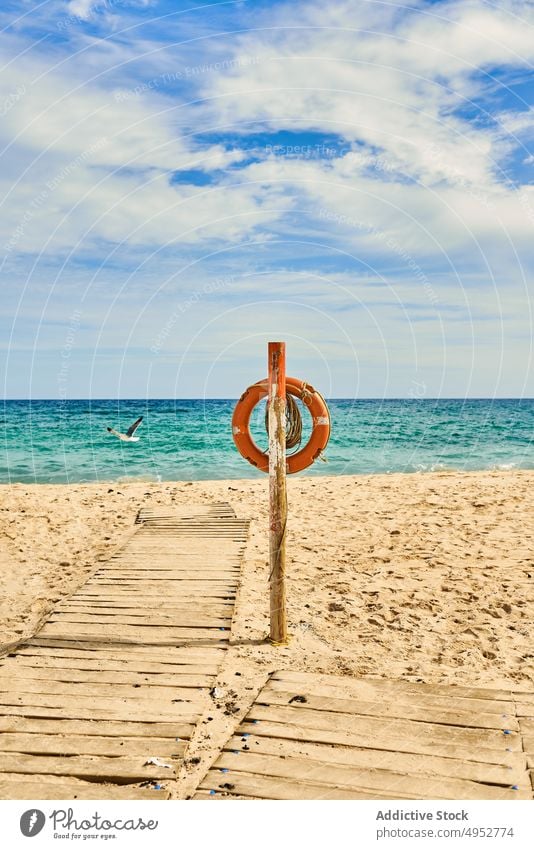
(311, 736)
(120, 673)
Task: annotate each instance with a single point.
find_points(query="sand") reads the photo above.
(417, 577)
(422, 577)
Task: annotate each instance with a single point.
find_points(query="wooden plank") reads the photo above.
(143, 565)
(160, 540)
(166, 551)
(182, 616)
(405, 694)
(216, 638)
(113, 596)
(524, 695)
(193, 522)
(16, 787)
(230, 530)
(134, 667)
(196, 519)
(102, 728)
(189, 510)
(97, 650)
(385, 740)
(200, 520)
(178, 585)
(183, 620)
(82, 744)
(193, 516)
(166, 544)
(134, 702)
(227, 534)
(197, 557)
(172, 563)
(48, 708)
(153, 636)
(186, 510)
(367, 780)
(157, 520)
(99, 676)
(396, 686)
(223, 609)
(178, 509)
(171, 571)
(121, 599)
(204, 533)
(145, 692)
(198, 531)
(464, 719)
(208, 526)
(147, 565)
(147, 649)
(109, 698)
(208, 589)
(376, 726)
(164, 547)
(217, 526)
(120, 770)
(263, 787)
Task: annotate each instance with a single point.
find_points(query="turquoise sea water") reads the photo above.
(57, 442)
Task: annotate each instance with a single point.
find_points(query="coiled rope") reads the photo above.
(293, 422)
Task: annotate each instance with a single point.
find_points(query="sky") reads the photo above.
(182, 183)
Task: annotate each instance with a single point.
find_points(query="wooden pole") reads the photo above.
(277, 491)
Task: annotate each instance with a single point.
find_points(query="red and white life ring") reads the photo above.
(317, 442)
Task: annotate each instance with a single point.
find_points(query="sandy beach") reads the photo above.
(416, 577)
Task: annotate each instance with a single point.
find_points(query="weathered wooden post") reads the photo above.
(277, 490)
(277, 388)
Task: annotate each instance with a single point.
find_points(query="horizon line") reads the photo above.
(333, 398)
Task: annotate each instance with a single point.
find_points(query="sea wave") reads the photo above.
(138, 479)
(432, 467)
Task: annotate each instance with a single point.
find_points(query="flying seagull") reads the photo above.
(129, 435)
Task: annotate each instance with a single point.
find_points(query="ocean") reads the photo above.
(67, 441)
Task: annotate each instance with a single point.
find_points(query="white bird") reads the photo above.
(129, 435)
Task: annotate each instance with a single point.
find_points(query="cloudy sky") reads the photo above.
(181, 183)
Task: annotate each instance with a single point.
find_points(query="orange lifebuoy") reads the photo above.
(320, 435)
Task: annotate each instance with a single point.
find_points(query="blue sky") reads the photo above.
(182, 183)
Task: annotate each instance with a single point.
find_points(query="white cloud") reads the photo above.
(82, 8)
(390, 85)
(77, 157)
(377, 76)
